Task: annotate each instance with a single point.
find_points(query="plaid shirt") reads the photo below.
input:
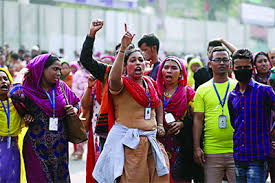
(250, 114)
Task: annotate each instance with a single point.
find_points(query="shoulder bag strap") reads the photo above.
(63, 91)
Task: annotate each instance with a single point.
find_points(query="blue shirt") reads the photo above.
(154, 73)
(250, 114)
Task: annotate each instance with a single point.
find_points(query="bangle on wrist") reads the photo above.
(122, 51)
(160, 125)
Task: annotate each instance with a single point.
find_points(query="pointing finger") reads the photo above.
(125, 27)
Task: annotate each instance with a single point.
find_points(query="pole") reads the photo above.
(19, 25)
(2, 22)
(38, 24)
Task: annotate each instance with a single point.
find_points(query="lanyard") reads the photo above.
(147, 91)
(7, 113)
(222, 103)
(52, 101)
(166, 102)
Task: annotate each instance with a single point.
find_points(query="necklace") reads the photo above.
(167, 94)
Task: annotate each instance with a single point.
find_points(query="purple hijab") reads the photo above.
(33, 91)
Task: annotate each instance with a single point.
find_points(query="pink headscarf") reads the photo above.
(33, 91)
(107, 56)
(178, 103)
(74, 64)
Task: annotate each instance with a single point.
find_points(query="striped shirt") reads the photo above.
(250, 114)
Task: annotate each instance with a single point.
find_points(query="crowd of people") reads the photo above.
(148, 119)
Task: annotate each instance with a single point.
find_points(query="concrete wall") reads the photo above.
(55, 27)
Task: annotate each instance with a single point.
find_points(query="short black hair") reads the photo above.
(217, 49)
(189, 58)
(150, 40)
(214, 43)
(14, 56)
(51, 59)
(44, 52)
(242, 54)
(67, 63)
(21, 51)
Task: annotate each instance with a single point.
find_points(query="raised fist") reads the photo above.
(95, 26)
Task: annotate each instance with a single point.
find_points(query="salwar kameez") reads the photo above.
(9, 160)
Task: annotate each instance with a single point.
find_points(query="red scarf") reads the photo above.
(98, 91)
(106, 108)
(90, 163)
(139, 94)
(106, 118)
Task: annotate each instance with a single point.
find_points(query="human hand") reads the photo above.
(148, 67)
(161, 131)
(126, 39)
(70, 110)
(218, 39)
(28, 118)
(95, 26)
(91, 81)
(21, 75)
(175, 127)
(199, 156)
(23, 72)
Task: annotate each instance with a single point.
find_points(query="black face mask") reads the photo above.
(243, 75)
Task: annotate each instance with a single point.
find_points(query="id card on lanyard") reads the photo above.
(148, 109)
(53, 121)
(222, 117)
(169, 117)
(7, 111)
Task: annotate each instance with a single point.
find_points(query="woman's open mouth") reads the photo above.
(168, 78)
(4, 87)
(138, 70)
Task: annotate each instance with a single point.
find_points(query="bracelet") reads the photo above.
(121, 51)
(160, 125)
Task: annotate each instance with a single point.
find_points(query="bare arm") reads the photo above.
(231, 111)
(115, 83)
(159, 115)
(85, 117)
(197, 129)
(87, 99)
(116, 71)
(87, 103)
(228, 45)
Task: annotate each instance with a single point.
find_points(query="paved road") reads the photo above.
(78, 168)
